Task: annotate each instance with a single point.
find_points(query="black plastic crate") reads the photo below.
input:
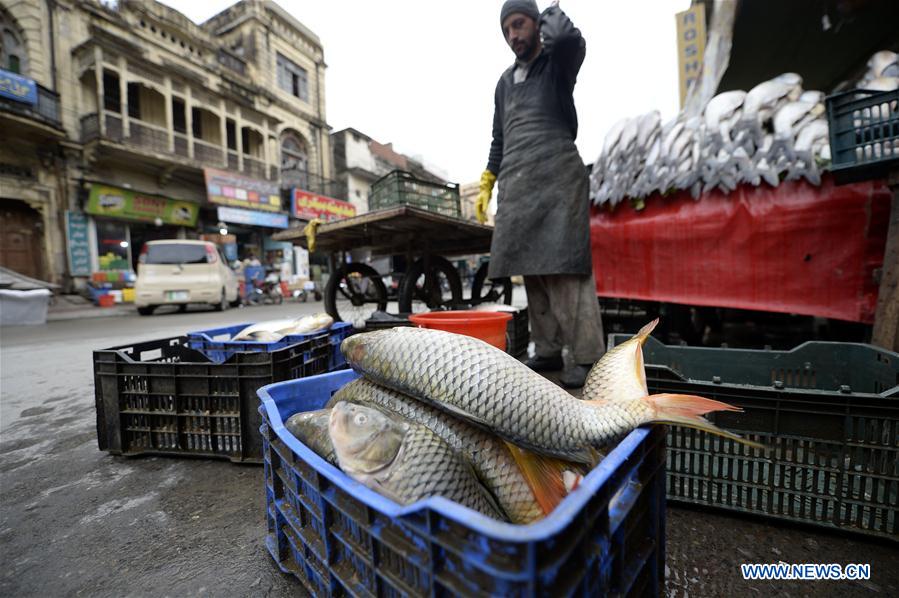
(828, 411)
(161, 397)
(398, 188)
(864, 133)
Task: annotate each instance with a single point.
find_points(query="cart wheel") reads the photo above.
(353, 293)
(439, 287)
(495, 290)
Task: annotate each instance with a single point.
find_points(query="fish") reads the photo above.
(494, 462)
(720, 108)
(264, 336)
(471, 379)
(620, 374)
(313, 323)
(269, 326)
(270, 329)
(402, 460)
(880, 63)
(311, 428)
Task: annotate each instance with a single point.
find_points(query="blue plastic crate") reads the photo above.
(215, 343)
(339, 537)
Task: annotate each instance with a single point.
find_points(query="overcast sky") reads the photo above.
(421, 73)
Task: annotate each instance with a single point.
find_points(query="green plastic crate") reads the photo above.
(864, 133)
(828, 411)
(400, 188)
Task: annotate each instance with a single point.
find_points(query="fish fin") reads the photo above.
(644, 332)
(460, 413)
(687, 411)
(543, 474)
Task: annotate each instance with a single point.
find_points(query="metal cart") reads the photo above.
(355, 290)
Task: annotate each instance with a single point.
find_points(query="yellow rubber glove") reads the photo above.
(483, 200)
(310, 230)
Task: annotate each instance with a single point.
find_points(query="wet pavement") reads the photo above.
(77, 521)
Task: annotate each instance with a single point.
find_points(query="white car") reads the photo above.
(179, 272)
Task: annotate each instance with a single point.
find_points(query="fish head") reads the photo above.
(365, 440)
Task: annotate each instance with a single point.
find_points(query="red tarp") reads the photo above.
(795, 249)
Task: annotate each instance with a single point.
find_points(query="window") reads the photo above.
(112, 95)
(179, 116)
(196, 117)
(294, 162)
(231, 132)
(13, 56)
(292, 78)
(134, 100)
(245, 140)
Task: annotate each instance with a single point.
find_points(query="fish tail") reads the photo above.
(545, 476)
(687, 411)
(644, 332)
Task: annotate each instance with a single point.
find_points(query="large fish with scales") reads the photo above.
(526, 486)
(478, 382)
(401, 460)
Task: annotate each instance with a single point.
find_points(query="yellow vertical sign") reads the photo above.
(690, 46)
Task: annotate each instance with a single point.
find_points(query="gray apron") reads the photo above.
(542, 219)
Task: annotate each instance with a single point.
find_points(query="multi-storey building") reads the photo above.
(162, 128)
(359, 161)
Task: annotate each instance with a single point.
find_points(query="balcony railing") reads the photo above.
(313, 183)
(113, 127)
(90, 127)
(233, 162)
(207, 153)
(181, 145)
(148, 137)
(253, 167)
(232, 62)
(46, 109)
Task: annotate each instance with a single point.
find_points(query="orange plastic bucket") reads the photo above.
(487, 326)
(106, 300)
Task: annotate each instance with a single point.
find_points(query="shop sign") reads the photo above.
(252, 217)
(18, 88)
(78, 244)
(131, 205)
(690, 47)
(229, 189)
(306, 206)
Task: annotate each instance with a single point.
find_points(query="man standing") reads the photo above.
(542, 221)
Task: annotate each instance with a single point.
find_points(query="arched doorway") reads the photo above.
(21, 238)
(294, 161)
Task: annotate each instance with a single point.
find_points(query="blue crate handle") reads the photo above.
(313, 392)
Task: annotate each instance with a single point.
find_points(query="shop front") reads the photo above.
(245, 213)
(105, 241)
(122, 220)
(304, 206)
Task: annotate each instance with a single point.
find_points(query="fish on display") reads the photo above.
(527, 487)
(272, 330)
(402, 460)
(311, 428)
(473, 380)
(313, 323)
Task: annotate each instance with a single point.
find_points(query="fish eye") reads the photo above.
(360, 419)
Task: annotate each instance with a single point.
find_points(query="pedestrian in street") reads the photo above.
(542, 221)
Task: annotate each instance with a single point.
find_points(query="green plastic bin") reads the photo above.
(399, 188)
(828, 411)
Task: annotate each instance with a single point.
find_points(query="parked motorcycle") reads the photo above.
(266, 291)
